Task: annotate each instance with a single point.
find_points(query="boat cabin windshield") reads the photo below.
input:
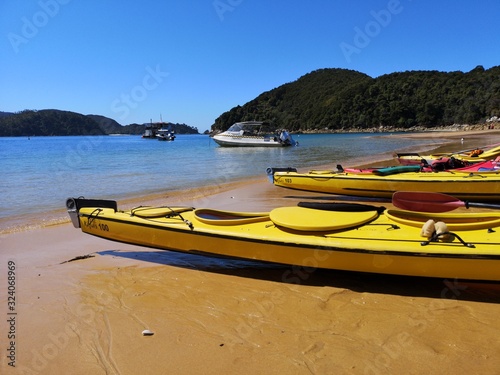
(251, 128)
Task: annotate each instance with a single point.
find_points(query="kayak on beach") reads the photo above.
(473, 156)
(342, 236)
(474, 186)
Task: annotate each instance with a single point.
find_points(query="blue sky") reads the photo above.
(191, 60)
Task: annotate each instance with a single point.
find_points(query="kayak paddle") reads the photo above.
(432, 202)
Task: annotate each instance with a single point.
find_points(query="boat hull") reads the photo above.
(468, 186)
(248, 141)
(381, 245)
(253, 134)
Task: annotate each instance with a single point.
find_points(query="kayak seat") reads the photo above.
(454, 221)
(341, 207)
(218, 217)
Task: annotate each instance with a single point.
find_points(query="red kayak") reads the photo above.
(485, 166)
(443, 164)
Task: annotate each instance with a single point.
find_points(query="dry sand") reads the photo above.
(212, 316)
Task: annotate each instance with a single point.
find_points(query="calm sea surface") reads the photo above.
(39, 173)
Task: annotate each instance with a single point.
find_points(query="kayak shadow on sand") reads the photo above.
(409, 286)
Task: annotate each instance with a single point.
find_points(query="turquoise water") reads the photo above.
(39, 173)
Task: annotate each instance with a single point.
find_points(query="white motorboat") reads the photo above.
(253, 134)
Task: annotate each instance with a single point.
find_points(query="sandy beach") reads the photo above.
(77, 304)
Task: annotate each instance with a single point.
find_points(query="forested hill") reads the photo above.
(5, 114)
(48, 122)
(339, 99)
(51, 122)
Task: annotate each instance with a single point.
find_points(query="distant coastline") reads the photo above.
(180, 129)
(54, 122)
(491, 125)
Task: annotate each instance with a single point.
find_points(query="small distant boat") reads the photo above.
(149, 131)
(253, 134)
(165, 134)
(159, 131)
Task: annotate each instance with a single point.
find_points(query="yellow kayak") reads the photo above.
(473, 186)
(473, 156)
(370, 239)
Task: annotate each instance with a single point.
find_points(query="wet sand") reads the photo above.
(82, 303)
